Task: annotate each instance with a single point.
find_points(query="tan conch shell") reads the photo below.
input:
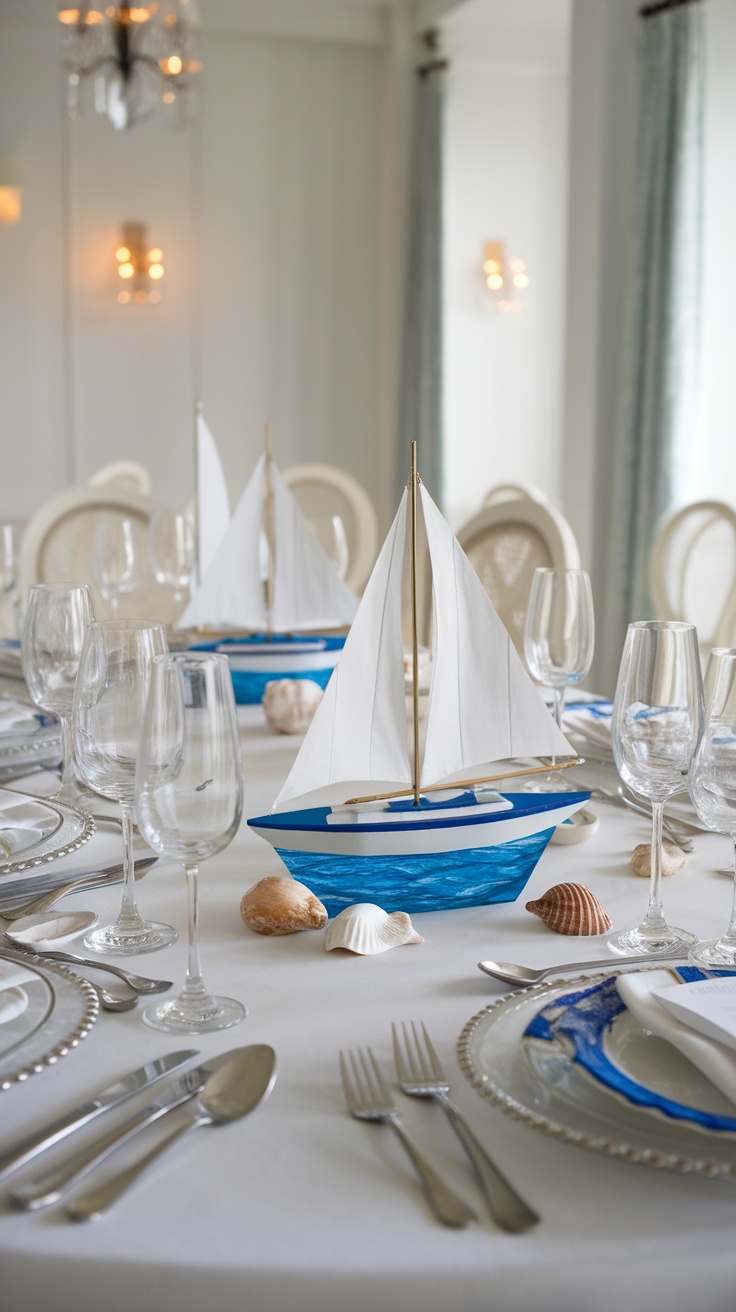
(368, 929)
(290, 704)
(673, 859)
(279, 904)
(571, 909)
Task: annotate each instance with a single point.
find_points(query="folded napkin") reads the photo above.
(18, 717)
(590, 722)
(13, 997)
(23, 823)
(714, 1059)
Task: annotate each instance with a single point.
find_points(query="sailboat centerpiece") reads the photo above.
(269, 589)
(421, 840)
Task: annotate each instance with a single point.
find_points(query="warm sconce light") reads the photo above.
(140, 267)
(11, 191)
(505, 278)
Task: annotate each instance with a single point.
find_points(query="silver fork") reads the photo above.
(369, 1099)
(420, 1075)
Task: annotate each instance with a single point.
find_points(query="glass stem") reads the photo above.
(558, 705)
(655, 916)
(67, 747)
(730, 934)
(194, 988)
(129, 920)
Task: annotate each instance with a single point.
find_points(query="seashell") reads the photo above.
(571, 909)
(279, 904)
(368, 929)
(673, 859)
(290, 704)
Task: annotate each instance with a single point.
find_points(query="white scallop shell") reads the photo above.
(368, 929)
(290, 704)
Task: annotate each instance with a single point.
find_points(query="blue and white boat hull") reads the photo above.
(256, 660)
(425, 862)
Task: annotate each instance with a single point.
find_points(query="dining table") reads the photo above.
(299, 1206)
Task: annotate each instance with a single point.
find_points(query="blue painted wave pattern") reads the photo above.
(439, 881)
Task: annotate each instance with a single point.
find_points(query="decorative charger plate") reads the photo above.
(52, 831)
(542, 1084)
(60, 1010)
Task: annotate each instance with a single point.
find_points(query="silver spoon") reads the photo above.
(98, 879)
(523, 976)
(112, 1001)
(45, 931)
(233, 1091)
(138, 983)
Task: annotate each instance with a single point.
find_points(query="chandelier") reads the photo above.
(139, 55)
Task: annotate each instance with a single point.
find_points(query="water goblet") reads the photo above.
(712, 786)
(189, 796)
(57, 618)
(656, 727)
(109, 701)
(559, 633)
(171, 552)
(113, 559)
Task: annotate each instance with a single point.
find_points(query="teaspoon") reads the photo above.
(139, 983)
(524, 976)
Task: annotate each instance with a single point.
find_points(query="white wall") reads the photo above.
(506, 136)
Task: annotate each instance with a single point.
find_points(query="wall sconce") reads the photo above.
(140, 268)
(505, 277)
(11, 191)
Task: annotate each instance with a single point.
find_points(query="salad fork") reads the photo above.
(369, 1099)
(421, 1075)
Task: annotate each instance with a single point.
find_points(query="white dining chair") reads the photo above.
(505, 542)
(512, 492)
(692, 571)
(123, 473)
(323, 491)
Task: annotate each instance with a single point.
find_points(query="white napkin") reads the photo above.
(13, 997)
(591, 723)
(16, 717)
(23, 823)
(715, 1060)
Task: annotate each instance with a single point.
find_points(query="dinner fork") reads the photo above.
(369, 1099)
(421, 1075)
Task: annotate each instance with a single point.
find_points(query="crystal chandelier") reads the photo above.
(139, 55)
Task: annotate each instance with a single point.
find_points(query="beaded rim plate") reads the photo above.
(61, 1010)
(72, 830)
(556, 1097)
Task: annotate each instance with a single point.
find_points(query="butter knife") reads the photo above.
(119, 1091)
(44, 1189)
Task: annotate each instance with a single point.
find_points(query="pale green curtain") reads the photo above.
(420, 409)
(661, 355)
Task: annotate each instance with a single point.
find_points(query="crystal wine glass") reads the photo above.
(330, 533)
(171, 551)
(189, 795)
(656, 727)
(559, 634)
(712, 786)
(109, 701)
(113, 559)
(57, 618)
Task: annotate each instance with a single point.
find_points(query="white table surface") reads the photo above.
(299, 1206)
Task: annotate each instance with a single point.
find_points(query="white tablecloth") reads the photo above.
(298, 1206)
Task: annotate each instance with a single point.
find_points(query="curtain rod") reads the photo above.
(659, 7)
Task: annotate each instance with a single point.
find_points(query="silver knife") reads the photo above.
(44, 1189)
(118, 1092)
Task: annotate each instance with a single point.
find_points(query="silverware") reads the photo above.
(523, 976)
(44, 1189)
(673, 831)
(234, 1090)
(112, 1001)
(420, 1075)
(369, 1099)
(113, 1094)
(138, 983)
(96, 879)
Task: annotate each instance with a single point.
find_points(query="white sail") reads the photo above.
(360, 730)
(308, 592)
(231, 593)
(213, 502)
(483, 705)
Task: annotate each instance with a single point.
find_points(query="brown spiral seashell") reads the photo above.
(571, 909)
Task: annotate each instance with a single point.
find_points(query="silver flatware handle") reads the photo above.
(450, 1209)
(507, 1207)
(138, 983)
(92, 1205)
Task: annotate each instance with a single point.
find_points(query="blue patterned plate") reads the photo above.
(593, 1028)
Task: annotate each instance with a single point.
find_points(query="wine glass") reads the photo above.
(171, 551)
(656, 727)
(559, 634)
(113, 559)
(189, 795)
(330, 533)
(712, 786)
(109, 701)
(57, 618)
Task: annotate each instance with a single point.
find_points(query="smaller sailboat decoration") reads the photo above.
(211, 495)
(419, 843)
(271, 583)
